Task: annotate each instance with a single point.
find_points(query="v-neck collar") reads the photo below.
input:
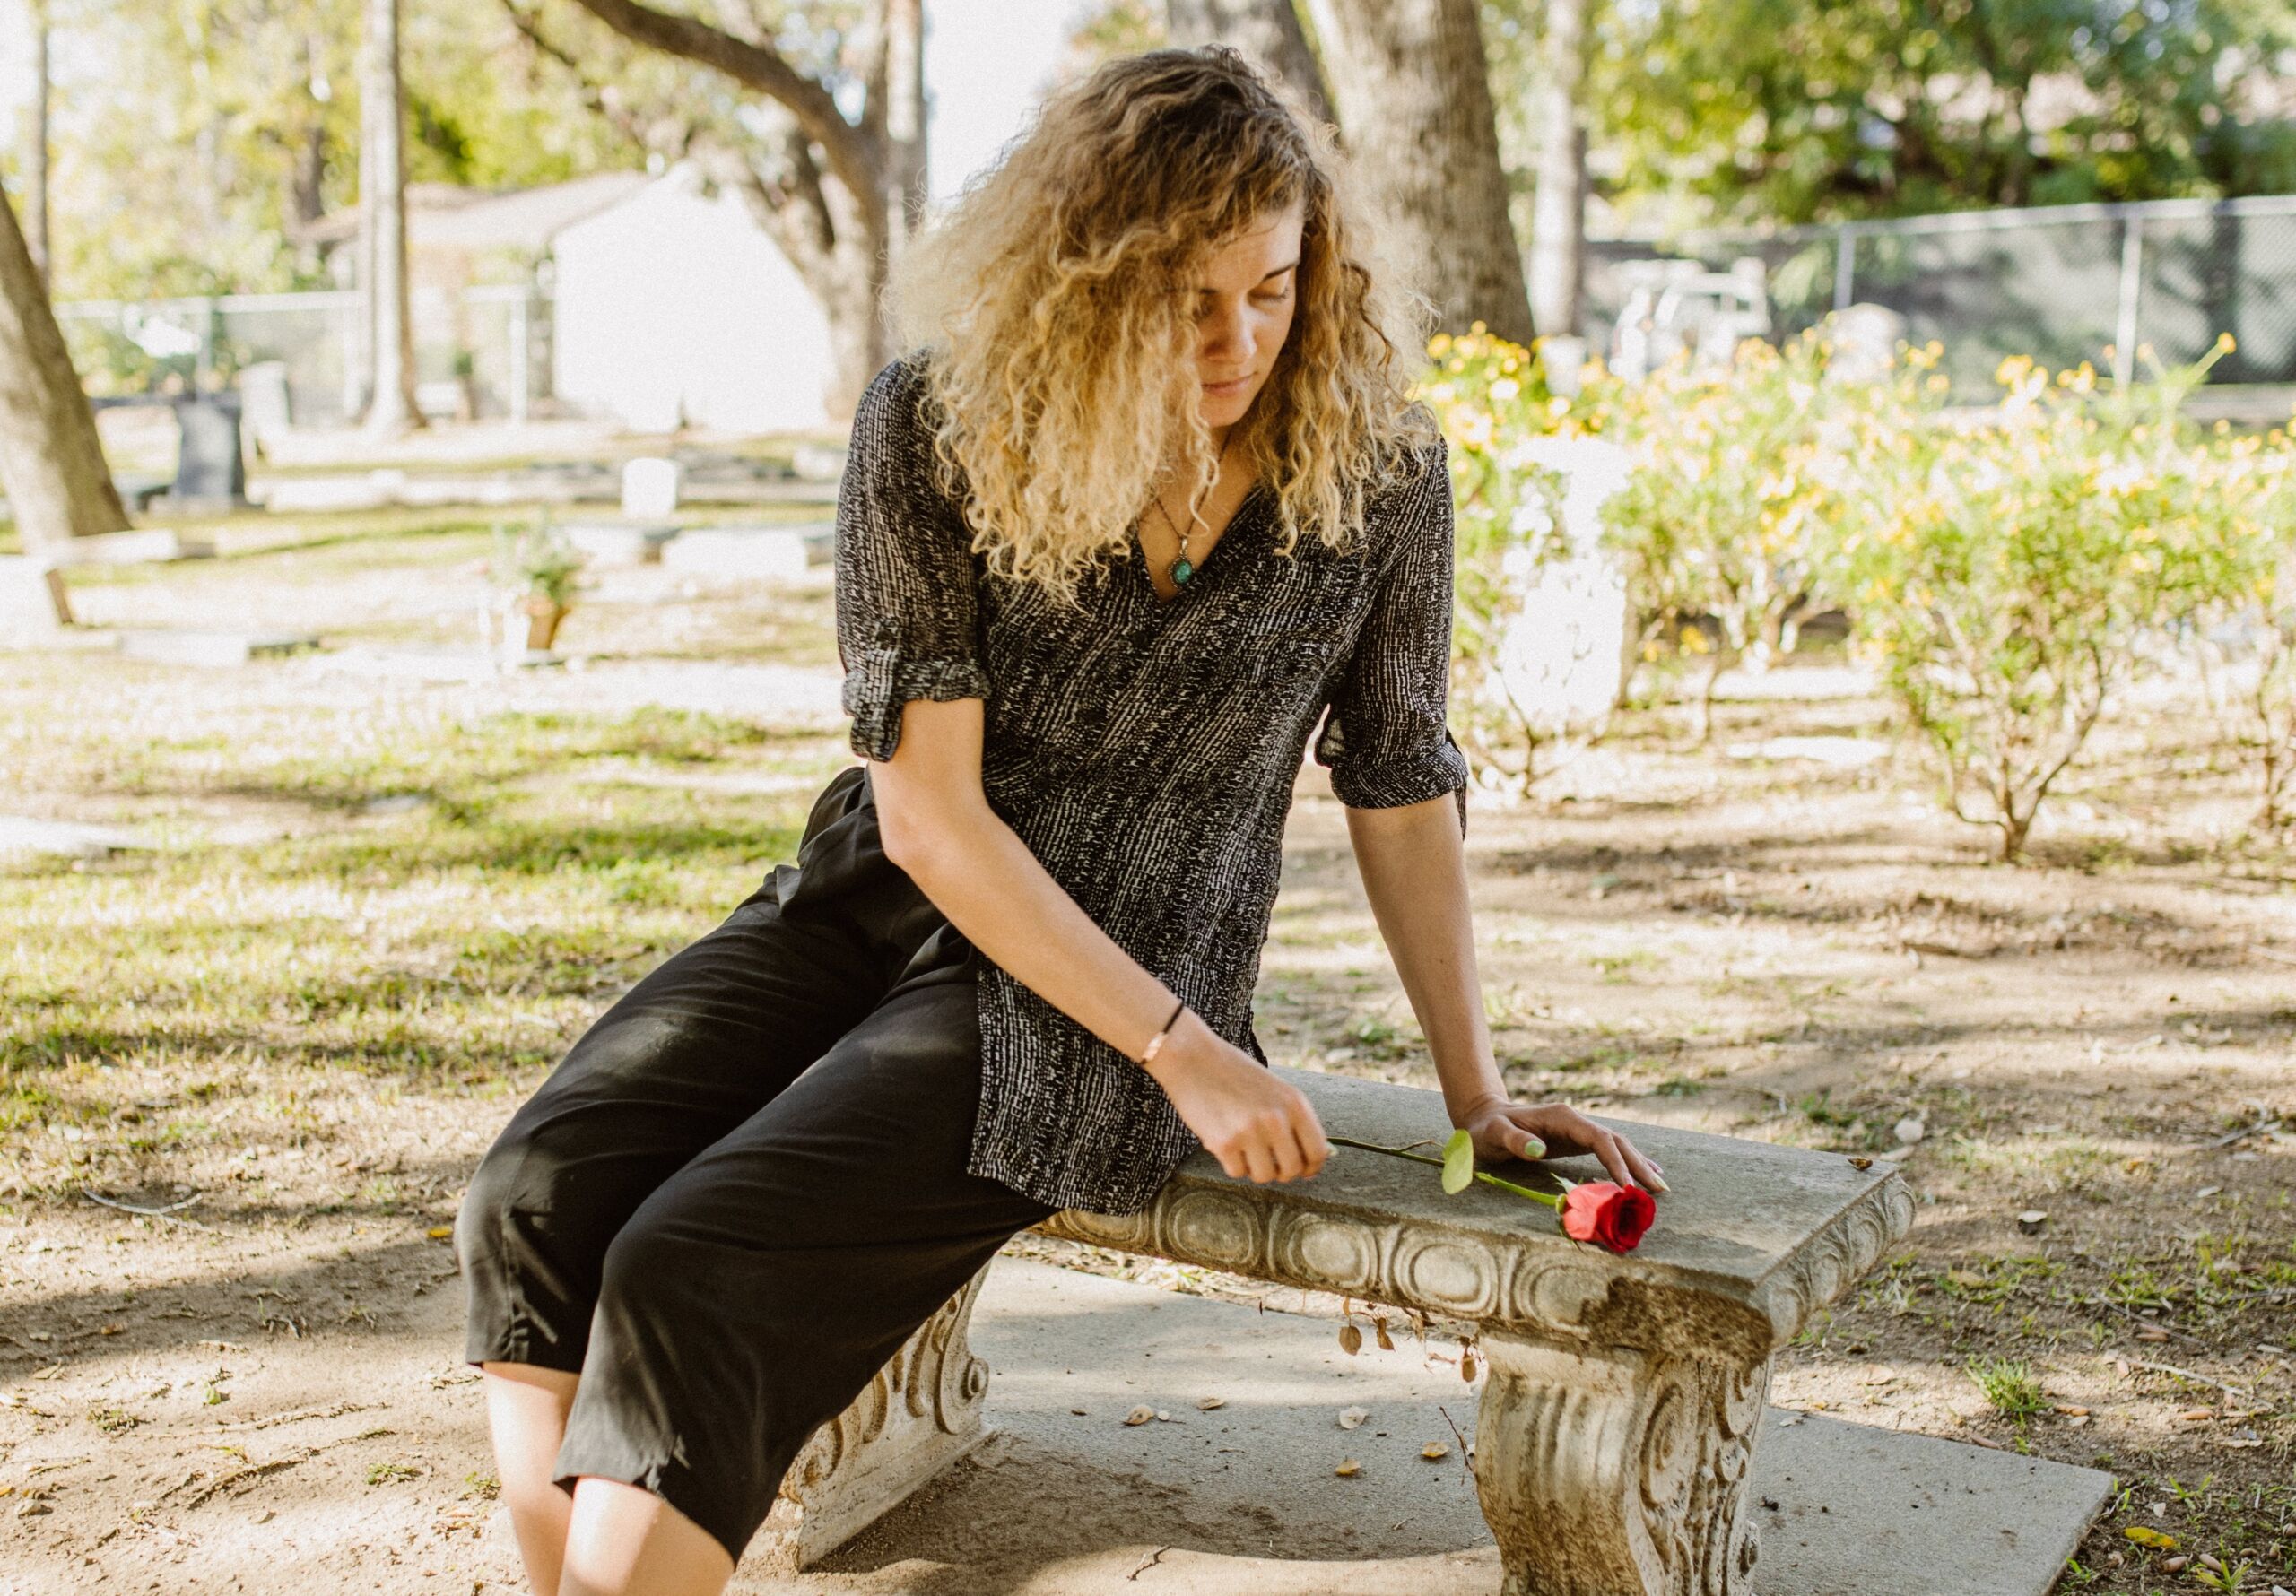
(1244, 520)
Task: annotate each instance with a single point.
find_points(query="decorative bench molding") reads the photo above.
(1621, 1412)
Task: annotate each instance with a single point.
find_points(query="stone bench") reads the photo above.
(1622, 1404)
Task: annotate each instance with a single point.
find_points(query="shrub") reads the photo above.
(1735, 502)
(2006, 573)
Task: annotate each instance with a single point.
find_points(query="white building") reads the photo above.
(673, 306)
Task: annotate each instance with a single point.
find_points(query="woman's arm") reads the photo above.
(1413, 865)
(935, 823)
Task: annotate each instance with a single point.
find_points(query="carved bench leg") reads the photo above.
(1608, 1472)
(920, 1414)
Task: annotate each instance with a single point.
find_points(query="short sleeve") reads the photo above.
(906, 605)
(1387, 739)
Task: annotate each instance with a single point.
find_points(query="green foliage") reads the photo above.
(538, 559)
(1797, 110)
(188, 165)
(2007, 570)
(2008, 574)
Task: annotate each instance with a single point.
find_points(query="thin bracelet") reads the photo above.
(1157, 1041)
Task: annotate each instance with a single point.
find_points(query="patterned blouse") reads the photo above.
(1144, 749)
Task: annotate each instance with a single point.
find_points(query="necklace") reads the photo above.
(1182, 568)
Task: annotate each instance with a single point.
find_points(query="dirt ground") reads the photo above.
(364, 917)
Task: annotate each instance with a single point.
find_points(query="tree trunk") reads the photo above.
(1559, 216)
(908, 185)
(307, 194)
(51, 462)
(1268, 30)
(1415, 90)
(391, 408)
(36, 115)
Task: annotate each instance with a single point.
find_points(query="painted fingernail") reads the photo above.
(1657, 1183)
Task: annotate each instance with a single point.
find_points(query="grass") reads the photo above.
(453, 943)
(2012, 1388)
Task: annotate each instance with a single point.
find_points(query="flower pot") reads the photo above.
(541, 623)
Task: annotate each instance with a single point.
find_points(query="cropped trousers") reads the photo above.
(744, 1186)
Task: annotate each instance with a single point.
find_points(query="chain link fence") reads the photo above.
(482, 353)
(2061, 283)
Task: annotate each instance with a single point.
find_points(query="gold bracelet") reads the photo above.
(1157, 1041)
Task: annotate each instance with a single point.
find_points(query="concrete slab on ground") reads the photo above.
(23, 837)
(1242, 1498)
(185, 647)
(620, 542)
(154, 545)
(739, 553)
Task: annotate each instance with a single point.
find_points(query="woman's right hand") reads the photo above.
(1259, 1128)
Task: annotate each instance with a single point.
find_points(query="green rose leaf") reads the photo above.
(1458, 1161)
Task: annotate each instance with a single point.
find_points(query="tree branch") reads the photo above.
(852, 160)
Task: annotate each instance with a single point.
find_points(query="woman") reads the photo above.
(1147, 499)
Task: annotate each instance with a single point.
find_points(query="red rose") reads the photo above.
(1608, 1215)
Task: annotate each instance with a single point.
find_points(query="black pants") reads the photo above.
(744, 1186)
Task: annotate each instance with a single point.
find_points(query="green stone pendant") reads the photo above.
(1180, 572)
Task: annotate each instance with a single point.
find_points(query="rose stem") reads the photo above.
(1396, 1153)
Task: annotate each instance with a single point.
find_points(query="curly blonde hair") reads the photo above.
(1053, 304)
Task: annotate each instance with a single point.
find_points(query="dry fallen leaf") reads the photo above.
(1350, 1418)
(1140, 1416)
(1078, 1411)
(1350, 1339)
(1379, 1330)
(440, 1232)
(1466, 1365)
(1206, 1404)
(2072, 1410)
(2145, 1536)
(1434, 1449)
(2195, 1415)
(1348, 1468)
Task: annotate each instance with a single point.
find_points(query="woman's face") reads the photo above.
(1244, 303)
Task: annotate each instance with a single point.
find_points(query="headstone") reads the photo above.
(209, 471)
(1564, 655)
(818, 462)
(1866, 338)
(1563, 358)
(27, 600)
(620, 542)
(649, 488)
(737, 553)
(266, 409)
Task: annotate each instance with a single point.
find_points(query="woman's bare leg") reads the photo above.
(525, 1409)
(627, 1542)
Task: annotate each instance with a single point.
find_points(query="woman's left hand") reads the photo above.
(1498, 1127)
